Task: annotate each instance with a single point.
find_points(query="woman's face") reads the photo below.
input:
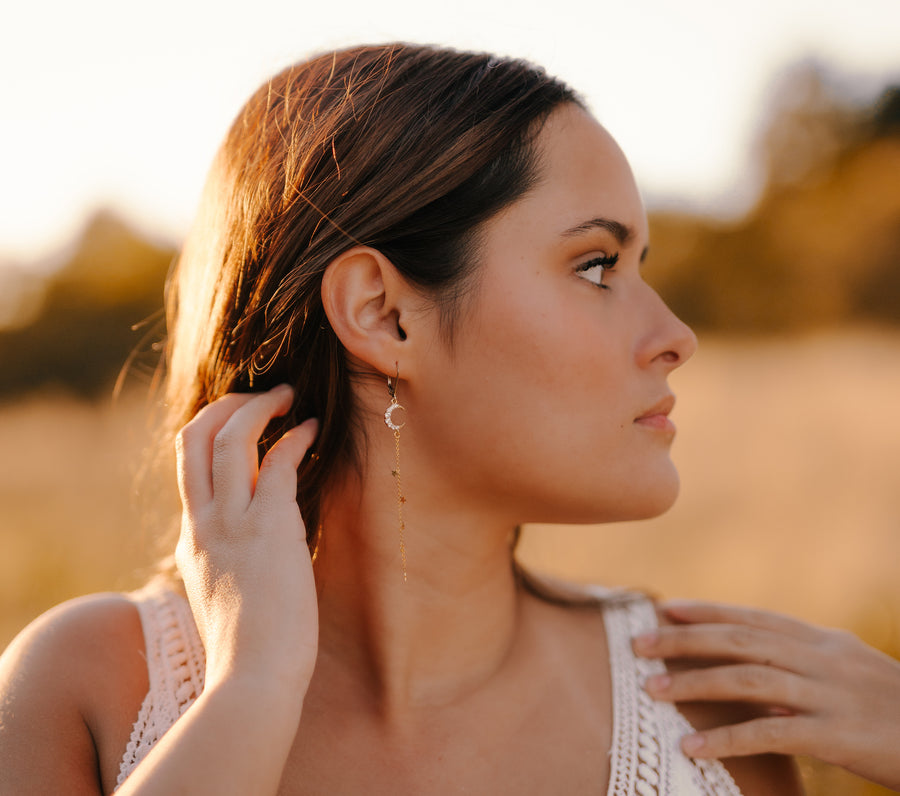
(551, 403)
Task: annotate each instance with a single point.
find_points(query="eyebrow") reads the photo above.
(621, 232)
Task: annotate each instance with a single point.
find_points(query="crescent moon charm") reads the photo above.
(388, 419)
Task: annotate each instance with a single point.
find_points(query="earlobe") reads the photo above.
(366, 301)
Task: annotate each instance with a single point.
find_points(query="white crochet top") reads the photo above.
(645, 758)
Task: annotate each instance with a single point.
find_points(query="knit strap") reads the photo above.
(175, 668)
(645, 757)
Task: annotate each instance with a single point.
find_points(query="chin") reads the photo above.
(653, 509)
(644, 502)
(660, 499)
(651, 501)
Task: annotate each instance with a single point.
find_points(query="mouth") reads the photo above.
(657, 416)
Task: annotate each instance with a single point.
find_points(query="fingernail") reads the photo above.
(692, 744)
(659, 682)
(312, 422)
(645, 642)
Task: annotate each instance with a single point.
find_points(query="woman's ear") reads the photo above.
(368, 304)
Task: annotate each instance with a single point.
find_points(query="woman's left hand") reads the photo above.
(824, 692)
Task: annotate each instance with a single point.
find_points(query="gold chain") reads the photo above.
(400, 500)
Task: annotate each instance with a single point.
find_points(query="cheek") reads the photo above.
(538, 329)
(560, 365)
(534, 398)
(550, 362)
(533, 410)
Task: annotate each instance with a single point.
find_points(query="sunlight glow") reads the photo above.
(107, 103)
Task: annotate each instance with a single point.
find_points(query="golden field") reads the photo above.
(789, 451)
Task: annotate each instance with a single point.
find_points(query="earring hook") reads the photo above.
(392, 383)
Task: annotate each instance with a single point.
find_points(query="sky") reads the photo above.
(118, 104)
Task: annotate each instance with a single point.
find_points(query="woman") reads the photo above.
(409, 317)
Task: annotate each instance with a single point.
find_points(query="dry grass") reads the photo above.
(69, 522)
(788, 449)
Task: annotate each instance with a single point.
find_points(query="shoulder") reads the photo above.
(569, 594)
(77, 675)
(74, 640)
(766, 775)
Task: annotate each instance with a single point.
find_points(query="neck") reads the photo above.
(426, 641)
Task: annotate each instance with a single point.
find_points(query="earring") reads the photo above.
(389, 422)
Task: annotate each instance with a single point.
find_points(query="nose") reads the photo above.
(671, 342)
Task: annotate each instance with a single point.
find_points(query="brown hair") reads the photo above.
(407, 149)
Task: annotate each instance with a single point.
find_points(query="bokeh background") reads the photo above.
(767, 140)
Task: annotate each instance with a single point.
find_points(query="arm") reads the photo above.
(249, 580)
(75, 660)
(823, 692)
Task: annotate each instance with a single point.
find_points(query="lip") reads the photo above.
(657, 416)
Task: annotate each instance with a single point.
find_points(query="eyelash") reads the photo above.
(605, 263)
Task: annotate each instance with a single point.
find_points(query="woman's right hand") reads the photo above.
(249, 580)
(242, 550)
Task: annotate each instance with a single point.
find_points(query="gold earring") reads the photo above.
(389, 422)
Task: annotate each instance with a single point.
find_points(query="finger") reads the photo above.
(791, 735)
(278, 472)
(718, 613)
(235, 460)
(761, 685)
(724, 642)
(194, 445)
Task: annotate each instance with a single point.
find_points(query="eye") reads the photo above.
(593, 269)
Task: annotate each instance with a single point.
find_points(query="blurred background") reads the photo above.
(767, 142)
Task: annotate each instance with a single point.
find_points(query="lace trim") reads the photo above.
(645, 757)
(175, 666)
